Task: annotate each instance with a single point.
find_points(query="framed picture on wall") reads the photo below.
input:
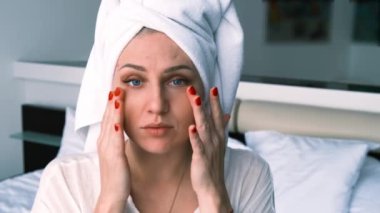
(367, 21)
(298, 21)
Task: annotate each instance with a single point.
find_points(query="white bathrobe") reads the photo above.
(72, 184)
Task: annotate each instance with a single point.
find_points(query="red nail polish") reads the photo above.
(214, 91)
(117, 91)
(117, 104)
(116, 127)
(198, 101)
(110, 96)
(194, 129)
(192, 90)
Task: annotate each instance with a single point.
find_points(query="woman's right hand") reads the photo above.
(114, 168)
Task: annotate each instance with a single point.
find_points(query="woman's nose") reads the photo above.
(158, 101)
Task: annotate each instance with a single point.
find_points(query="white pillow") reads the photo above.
(365, 196)
(71, 142)
(236, 144)
(310, 174)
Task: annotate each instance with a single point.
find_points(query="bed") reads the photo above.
(323, 152)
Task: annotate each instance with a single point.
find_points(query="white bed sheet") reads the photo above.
(17, 194)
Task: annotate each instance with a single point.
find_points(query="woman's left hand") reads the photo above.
(208, 142)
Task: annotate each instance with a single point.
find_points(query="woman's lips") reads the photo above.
(157, 129)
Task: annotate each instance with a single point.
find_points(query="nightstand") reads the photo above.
(41, 134)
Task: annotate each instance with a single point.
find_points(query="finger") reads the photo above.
(118, 105)
(216, 111)
(113, 119)
(195, 141)
(105, 120)
(118, 117)
(202, 124)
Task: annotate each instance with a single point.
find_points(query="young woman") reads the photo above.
(161, 145)
(175, 165)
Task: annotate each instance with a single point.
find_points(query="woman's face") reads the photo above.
(155, 74)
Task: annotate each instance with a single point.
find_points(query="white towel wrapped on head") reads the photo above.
(208, 31)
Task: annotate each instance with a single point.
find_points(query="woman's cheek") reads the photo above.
(183, 104)
(131, 102)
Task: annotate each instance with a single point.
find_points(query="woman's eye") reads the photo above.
(134, 82)
(178, 82)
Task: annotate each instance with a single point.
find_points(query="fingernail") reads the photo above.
(110, 96)
(192, 90)
(117, 104)
(194, 129)
(117, 91)
(214, 91)
(198, 101)
(117, 127)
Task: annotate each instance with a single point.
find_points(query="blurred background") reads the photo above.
(323, 43)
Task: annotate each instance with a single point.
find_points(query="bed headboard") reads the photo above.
(304, 120)
(306, 111)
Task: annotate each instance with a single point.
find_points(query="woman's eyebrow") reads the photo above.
(179, 67)
(170, 69)
(133, 66)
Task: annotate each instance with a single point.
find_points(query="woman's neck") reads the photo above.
(148, 167)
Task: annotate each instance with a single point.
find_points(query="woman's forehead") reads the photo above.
(153, 49)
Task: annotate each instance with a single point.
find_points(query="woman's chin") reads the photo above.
(159, 145)
(156, 146)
